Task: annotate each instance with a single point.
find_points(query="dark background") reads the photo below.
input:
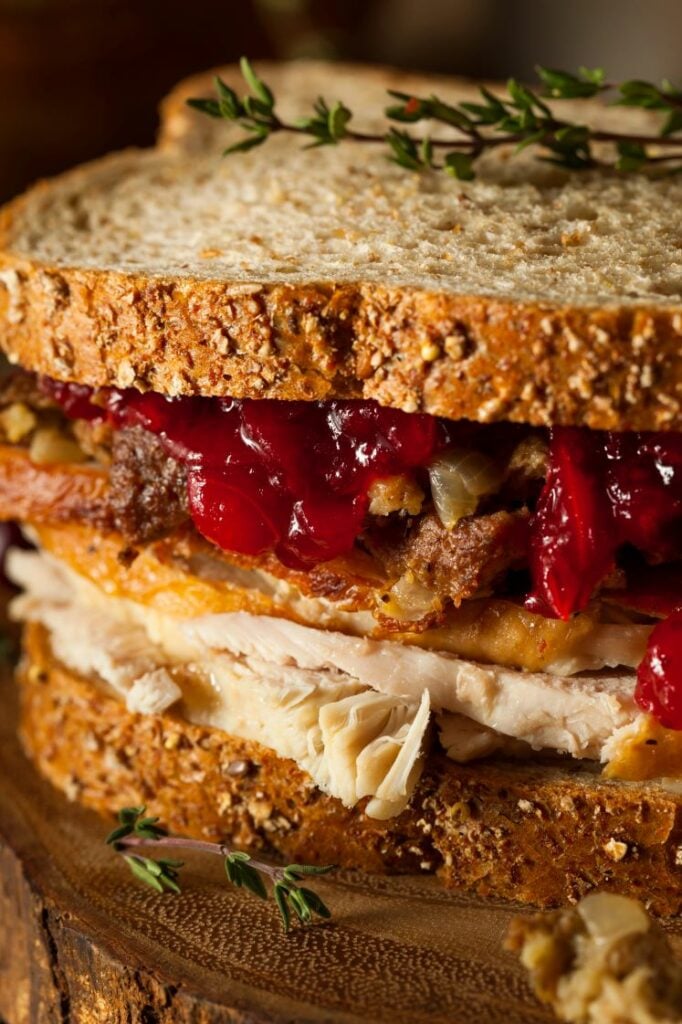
(81, 77)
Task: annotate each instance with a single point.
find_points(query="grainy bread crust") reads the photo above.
(487, 358)
(535, 833)
(456, 356)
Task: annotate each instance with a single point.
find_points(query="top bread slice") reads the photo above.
(530, 294)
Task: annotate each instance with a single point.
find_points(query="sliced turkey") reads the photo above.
(575, 714)
(286, 685)
(352, 741)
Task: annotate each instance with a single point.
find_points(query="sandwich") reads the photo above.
(353, 498)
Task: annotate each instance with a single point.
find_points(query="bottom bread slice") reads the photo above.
(540, 832)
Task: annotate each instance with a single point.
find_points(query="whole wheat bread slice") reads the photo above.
(531, 831)
(529, 294)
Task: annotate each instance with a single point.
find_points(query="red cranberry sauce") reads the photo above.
(659, 677)
(651, 589)
(603, 492)
(570, 551)
(266, 475)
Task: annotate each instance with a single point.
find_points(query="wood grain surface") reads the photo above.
(82, 942)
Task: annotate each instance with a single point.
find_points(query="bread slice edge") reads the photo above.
(458, 356)
(531, 832)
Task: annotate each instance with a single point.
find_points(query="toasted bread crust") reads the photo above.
(472, 357)
(532, 832)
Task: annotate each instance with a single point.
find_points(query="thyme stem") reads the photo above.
(490, 142)
(135, 830)
(197, 846)
(520, 118)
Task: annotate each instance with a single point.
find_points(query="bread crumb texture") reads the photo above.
(528, 294)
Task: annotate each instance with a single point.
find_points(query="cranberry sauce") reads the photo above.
(602, 492)
(570, 549)
(288, 477)
(650, 589)
(659, 677)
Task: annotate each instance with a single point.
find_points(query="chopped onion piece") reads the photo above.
(393, 493)
(17, 421)
(409, 600)
(610, 917)
(49, 447)
(458, 479)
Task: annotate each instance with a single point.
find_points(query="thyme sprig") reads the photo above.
(520, 118)
(136, 829)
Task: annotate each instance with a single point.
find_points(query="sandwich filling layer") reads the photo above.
(518, 587)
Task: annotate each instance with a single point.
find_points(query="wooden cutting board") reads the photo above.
(82, 942)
